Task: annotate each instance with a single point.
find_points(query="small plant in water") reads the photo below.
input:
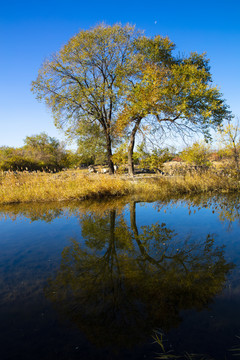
(167, 352)
(236, 349)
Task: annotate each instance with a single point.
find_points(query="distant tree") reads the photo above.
(153, 159)
(14, 159)
(91, 144)
(46, 150)
(71, 159)
(197, 154)
(39, 152)
(5, 152)
(120, 156)
(230, 139)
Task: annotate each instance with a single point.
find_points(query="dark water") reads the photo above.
(104, 280)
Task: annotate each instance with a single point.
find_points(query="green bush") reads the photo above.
(18, 162)
(40, 152)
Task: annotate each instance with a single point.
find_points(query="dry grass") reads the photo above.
(75, 185)
(69, 185)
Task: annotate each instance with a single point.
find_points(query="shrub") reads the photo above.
(197, 154)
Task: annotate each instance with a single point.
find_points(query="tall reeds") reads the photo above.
(16, 187)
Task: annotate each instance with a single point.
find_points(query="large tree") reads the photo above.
(119, 79)
(85, 81)
(174, 95)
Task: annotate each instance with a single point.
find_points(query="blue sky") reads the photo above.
(30, 31)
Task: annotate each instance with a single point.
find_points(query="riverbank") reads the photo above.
(23, 187)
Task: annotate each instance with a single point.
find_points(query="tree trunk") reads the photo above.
(133, 218)
(145, 256)
(130, 161)
(112, 223)
(131, 147)
(109, 155)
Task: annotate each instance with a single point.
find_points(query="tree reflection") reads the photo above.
(121, 282)
(225, 206)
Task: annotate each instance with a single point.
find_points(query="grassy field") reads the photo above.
(78, 185)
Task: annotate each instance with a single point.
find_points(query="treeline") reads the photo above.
(199, 155)
(44, 153)
(40, 152)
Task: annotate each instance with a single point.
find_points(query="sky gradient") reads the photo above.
(30, 31)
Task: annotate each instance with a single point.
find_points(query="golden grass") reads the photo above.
(25, 187)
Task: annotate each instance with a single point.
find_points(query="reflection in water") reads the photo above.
(226, 207)
(41, 211)
(166, 351)
(117, 281)
(122, 282)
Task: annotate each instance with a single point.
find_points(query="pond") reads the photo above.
(120, 279)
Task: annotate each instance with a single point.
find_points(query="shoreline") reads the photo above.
(24, 187)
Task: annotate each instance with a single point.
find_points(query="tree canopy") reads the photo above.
(118, 78)
(173, 98)
(84, 81)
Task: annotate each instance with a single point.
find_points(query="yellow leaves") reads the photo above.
(197, 154)
(146, 95)
(230, 137)
(207, 114)
(114, 75)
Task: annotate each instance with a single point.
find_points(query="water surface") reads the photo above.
(99, 280)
